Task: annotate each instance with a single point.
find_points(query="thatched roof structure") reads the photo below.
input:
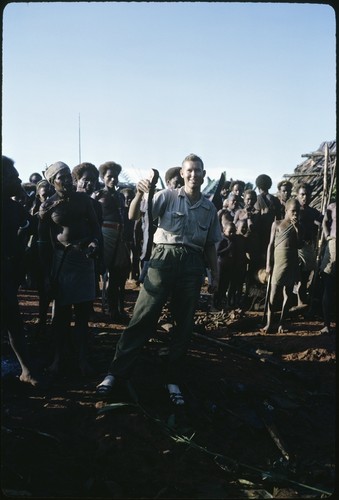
(320, 171)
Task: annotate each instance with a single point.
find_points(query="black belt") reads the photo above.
(179, 245)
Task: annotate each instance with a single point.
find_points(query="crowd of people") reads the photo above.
(73, 235)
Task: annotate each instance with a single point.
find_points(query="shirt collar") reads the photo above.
(204, 202)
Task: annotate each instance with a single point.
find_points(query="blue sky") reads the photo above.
(249, 87)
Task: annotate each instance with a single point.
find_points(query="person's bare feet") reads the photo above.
(282, 329)
(27, 378)
(266, 329)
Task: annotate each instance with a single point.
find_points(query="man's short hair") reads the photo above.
(193, 157)
(172, 172)
(109, 165)
(288, 184)
(305, 186)
(35, 174)
(263, 181)
(79, 170)
(292, 201)
(241, 184)
(251, 192)
(42, 184)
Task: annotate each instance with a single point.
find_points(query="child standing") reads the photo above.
(236, 292)
(282, 262)
(226, 259)
(228, 208)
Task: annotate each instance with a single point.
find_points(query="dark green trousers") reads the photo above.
(175, 272)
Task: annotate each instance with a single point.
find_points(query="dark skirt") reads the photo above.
(74, 277)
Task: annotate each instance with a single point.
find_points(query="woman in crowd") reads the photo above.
(86, 178)
(69, 224)
(115, 252)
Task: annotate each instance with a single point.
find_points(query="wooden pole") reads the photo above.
(79, 141)
(333, 178)
(324, 201)
(325, 181)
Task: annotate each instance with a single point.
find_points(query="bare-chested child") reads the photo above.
(228, 208)
(282, 262)
(226, 259)
(236, 292)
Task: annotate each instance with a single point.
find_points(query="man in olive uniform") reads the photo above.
(187, 233)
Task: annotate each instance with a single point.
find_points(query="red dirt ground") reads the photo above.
(259, 420)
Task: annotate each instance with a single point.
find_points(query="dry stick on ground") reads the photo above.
(251, 355)
(267, 298)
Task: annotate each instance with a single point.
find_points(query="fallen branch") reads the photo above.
(249, 354)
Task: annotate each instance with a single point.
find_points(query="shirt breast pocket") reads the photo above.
(177, 222)
(200, 234)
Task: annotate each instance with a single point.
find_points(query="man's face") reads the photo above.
(193, 174)
(249, 200)
(285, 193)
(229, 230)
(111, 179)
(231, 203)
(175, 182)
(63, 181)
(302, 197)
(128, 198)
(292, 213)
(87, 182)
(43, 193)
(237, 190)
(11, 183)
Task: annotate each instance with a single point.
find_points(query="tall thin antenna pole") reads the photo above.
(79, 141)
